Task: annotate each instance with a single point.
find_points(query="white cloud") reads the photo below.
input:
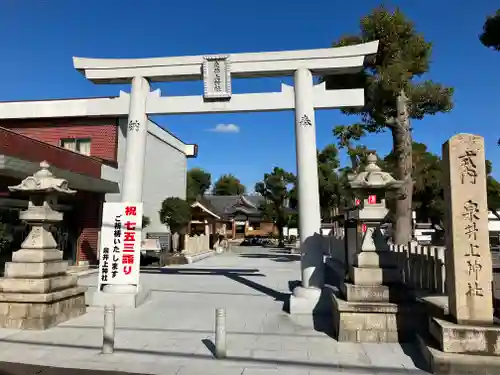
(226, 128)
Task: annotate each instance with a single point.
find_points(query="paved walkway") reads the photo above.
(172, 333)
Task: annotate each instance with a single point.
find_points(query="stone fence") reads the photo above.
(423, 266)
(196, 244)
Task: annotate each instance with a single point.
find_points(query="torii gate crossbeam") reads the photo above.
(217, 72)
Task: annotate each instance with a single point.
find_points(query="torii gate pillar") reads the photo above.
(217, 71)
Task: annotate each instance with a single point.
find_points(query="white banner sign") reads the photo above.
(120, 245)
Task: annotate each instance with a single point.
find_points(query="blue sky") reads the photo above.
(39, 38)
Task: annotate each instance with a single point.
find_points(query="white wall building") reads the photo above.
(165, 170)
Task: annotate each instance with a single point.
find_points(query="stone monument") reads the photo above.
(468, 339)
(37, 292)
(374, 305)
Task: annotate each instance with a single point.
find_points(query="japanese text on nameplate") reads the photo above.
(217, 79)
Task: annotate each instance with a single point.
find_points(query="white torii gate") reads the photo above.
(217, 71)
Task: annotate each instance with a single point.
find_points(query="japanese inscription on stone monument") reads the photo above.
(216, 77)
(468, 257)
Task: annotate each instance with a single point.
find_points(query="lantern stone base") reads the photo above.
(39, 311)
(375, 293)
(444, 363)
(37, 293)
(373, 317)
(466, 339)
(451, 348)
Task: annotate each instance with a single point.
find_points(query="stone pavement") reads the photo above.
(172, 333)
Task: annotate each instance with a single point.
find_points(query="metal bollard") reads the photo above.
(108, 332)
(220, 333)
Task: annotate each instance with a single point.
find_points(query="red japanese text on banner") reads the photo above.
(120, 245)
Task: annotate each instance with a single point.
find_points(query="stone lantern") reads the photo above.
(374, 306)
(374, 248)
(37, 292)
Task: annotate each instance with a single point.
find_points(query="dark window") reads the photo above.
(80, 145)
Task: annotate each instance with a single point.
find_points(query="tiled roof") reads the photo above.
(227, 205)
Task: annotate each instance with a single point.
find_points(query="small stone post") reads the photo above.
(37, 292)
(108, 331)
(220, 333)
(175, 242)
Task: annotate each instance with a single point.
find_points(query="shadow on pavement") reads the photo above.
(195, 331)
(321, 322)
(203, 271)
(10, 368)
(415, 355)
(278, 296)
(209, 345)
(230, 358)
(278, 257)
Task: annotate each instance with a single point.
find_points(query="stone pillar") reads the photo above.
(468, 255)
(207, 228)
(312, 265)
(137, 133)
(175, 242)
(37, 292)
(465, 341)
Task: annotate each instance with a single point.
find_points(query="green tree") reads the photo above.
(228, 184)
(346, 136)
(428, 195)
(427, 200)
(330, 194)
(145, 221)
(198, 182)
(493, 188)
(176, 213)
(393, 95)
(276, 188)
(490, 37)
(293, 199)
